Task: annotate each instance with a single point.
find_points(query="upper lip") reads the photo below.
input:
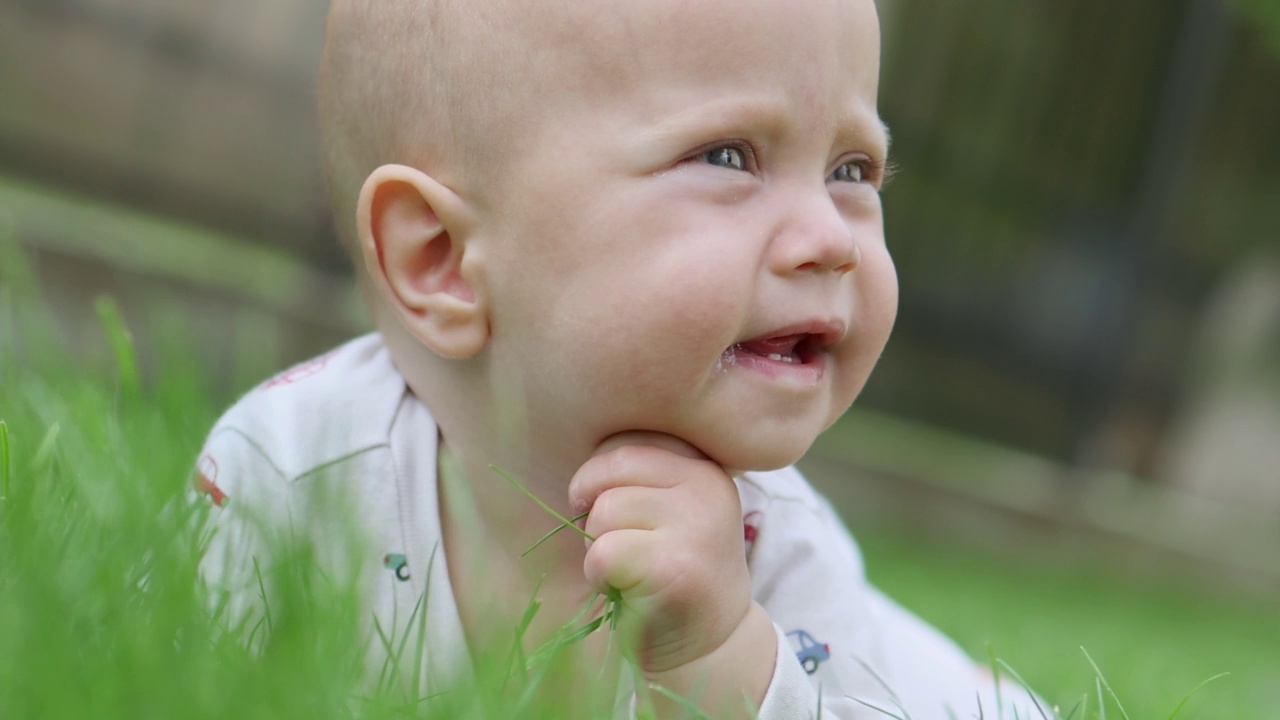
(824, 332)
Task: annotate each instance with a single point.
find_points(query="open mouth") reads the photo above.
(797, 349)
(797, 354)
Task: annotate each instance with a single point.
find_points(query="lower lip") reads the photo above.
(806, 373)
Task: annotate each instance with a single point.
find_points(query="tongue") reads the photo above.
(772, 346)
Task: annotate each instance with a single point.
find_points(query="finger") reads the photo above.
(648, 438)
(638, 465)
(628, 507)
(621, 559)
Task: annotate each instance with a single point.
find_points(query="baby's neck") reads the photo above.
(494, 493)
(489, 523)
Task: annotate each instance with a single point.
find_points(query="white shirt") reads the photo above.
(344, 430)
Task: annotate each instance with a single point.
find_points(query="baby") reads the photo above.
(632, 255)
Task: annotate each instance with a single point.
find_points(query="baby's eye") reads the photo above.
(726, 157)
(848, 172)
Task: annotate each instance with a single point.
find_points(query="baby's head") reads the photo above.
(598, 217)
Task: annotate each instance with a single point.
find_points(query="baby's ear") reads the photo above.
(413, 235)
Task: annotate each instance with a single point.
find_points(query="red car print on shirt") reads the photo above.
(206, 480)
(750, 528)
(300, 372)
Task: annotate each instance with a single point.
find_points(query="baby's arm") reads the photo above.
(669, 535)
(862, 649)
(668, 529)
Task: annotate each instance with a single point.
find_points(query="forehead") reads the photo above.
(811, 65)
(818, 48)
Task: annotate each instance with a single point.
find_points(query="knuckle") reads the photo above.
(622, 462)
(612, 562)
(602, 555)
(595, 566)
(581, 489)
(600, 519)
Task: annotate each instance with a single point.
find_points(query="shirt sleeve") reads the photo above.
(247, 519)
(790, 693)
(845, 651)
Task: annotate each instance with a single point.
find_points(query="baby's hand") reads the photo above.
(668, 527)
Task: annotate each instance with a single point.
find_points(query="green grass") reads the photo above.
(1155, 641)
(101, 613)
(101, 609)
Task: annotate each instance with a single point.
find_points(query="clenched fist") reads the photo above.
(668, 527)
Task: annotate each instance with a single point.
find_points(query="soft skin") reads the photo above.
(699, 191)
(631, 263)
(667, 522)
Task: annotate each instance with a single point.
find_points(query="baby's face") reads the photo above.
(692, 231)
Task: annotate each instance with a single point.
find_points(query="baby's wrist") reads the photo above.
(730, 679)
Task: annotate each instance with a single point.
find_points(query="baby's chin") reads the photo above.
(761, 445)
(741, 458)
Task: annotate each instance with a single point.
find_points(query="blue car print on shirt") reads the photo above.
(811, 653)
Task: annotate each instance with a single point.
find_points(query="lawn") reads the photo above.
(1154, 640)
(100, 617)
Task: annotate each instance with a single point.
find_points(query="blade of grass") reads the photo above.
(683, 702)
(564, 521)
(46, 445)
(568, 634)
(420, 641)
(8, 322)
(1102, 679)
(262, 590)
(1102, 705)
(253, 635)
(517, 657)
(411, 623)
(884, 684)
(1035, 701)
(613, 610)
(386, 673)
(1177, 710)
(573, 522)
(531, 690)
(994, 663)
(121, 346)
(877, 708)
(553, 646)
(5, 472)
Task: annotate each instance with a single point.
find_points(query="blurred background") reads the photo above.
(1085, 375)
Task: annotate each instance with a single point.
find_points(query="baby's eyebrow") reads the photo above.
(727, 114)
(863, 126)
(773, 116)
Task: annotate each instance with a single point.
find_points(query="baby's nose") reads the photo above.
(816, 238)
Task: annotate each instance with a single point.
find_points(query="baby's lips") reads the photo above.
(784, 345)
(670, 443)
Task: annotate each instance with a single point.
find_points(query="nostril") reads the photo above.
(837, 269)
(855, 258)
